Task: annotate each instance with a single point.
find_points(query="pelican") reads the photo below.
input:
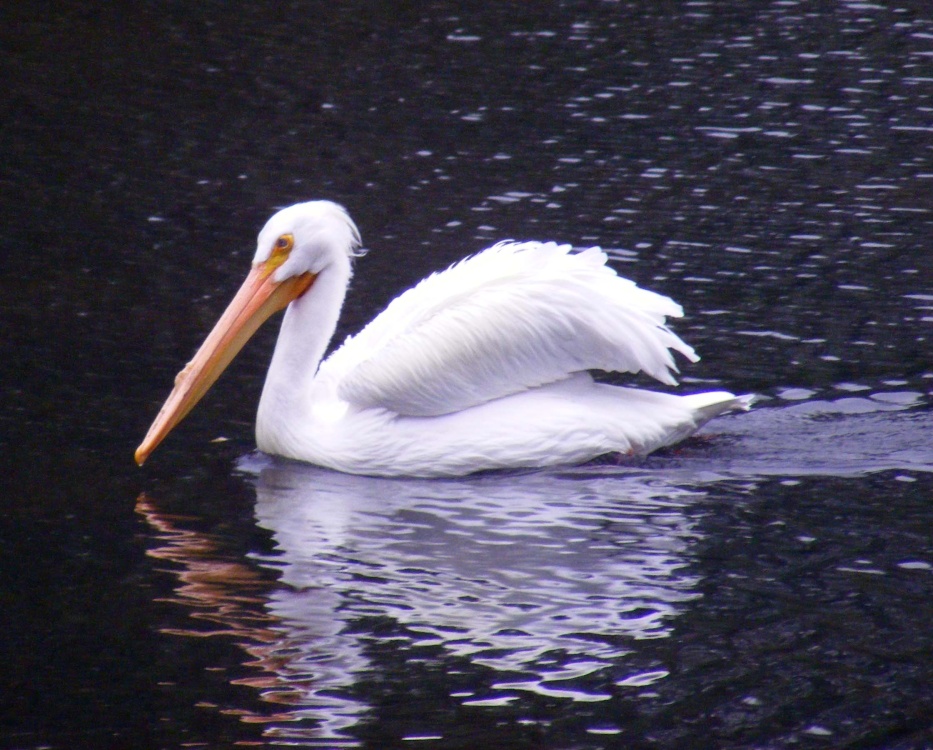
(483, 366)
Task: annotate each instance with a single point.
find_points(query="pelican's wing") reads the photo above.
(514, 317)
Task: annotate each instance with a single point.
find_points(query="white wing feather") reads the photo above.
(512, 318)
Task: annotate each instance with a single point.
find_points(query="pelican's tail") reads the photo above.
(706, 406)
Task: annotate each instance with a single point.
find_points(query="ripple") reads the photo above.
(643, 679)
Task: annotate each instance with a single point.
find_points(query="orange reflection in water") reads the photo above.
(231, 597)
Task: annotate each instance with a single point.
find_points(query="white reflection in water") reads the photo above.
(541, 576)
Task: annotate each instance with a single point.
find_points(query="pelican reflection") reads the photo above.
(543, 581)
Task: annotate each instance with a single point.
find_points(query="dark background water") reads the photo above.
(767, 164)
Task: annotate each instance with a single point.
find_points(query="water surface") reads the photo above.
(767, 584)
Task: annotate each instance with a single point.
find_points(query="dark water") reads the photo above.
(769, 584)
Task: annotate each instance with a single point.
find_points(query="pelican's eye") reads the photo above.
(283, 245)
(280, 250)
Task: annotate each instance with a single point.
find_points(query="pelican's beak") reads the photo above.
(258, 298)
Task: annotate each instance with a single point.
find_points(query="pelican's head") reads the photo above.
(295, 246)
(305, 238)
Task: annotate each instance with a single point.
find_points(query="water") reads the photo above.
(764, 585)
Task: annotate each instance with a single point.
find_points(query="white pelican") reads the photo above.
(482, 366)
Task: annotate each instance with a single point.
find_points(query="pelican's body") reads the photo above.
(482, 366)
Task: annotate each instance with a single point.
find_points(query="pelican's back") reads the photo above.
(512, 318)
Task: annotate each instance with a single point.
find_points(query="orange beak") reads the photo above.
(258, 298)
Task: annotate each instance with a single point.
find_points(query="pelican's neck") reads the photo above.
(307, 328)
